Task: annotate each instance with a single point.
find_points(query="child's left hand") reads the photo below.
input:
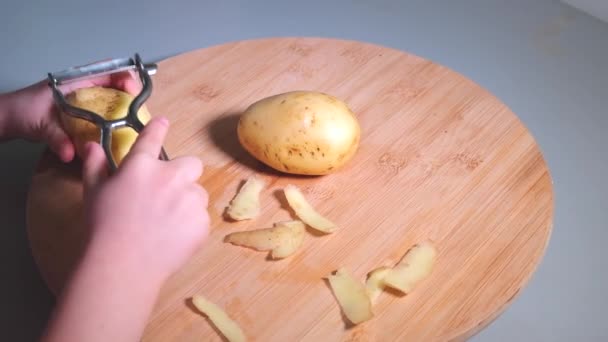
(30, 113)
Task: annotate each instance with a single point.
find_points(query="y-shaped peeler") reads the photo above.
(106, 126)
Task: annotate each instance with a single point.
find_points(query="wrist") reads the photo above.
(121, 259)
(109, 297)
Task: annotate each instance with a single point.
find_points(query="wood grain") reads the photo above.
(440, 159)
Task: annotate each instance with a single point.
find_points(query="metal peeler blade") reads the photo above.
(106, 126)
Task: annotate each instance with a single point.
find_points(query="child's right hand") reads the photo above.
(150, 215)
(146, 220)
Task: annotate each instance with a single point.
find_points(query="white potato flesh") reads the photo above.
(416, 265)
(352, 296)
(283, 240)
(246, 203)
(375, 282)
(306, 212)
(228, 327)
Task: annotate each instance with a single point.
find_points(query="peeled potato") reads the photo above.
(300, 132)
(246, 203)
(415, 266)
(109, 103)
(352, 296)
(282, 240)
(375, 282)
(306, 212)
(229, 328)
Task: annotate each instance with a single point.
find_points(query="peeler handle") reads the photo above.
(132, 120)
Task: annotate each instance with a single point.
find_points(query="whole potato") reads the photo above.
(109, 103)
(300, 132)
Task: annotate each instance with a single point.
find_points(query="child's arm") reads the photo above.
(146, 220)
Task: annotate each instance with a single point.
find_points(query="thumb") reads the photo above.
(60, 143)
(95, 166)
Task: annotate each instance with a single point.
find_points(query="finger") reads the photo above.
(60, 143)
(199, 194)
(95, 166)
(204, 195)
(102, 81)
(126, 81)
(187, 168)
(151, 139)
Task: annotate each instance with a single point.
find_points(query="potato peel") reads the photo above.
(414, 267)
(306, 212)
(246, 203)
(352, 296)
(283, 239)
(375, 283)
(228, 327)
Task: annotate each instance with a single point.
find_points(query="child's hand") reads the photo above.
(30, 113)
(146, 220)
(152, 213)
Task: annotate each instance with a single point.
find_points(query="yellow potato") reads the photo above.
(352, 296)
(246, 203)
(229, 328)
(375, 282)
(109, 103)
(300, 132)
(306, 212)
(282, 240)
(415, 266)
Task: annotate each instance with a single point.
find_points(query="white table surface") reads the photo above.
(545, 60)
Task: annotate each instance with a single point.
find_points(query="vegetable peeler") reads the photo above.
(107, 126)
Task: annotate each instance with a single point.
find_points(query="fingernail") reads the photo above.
(163, 120)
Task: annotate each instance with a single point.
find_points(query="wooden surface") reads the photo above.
(440, 159)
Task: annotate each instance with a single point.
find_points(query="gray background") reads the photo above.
(547, 61)
(597, 8)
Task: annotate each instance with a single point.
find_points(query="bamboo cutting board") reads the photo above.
(440, 159)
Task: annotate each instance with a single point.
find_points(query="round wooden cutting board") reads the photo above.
(440, 159)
